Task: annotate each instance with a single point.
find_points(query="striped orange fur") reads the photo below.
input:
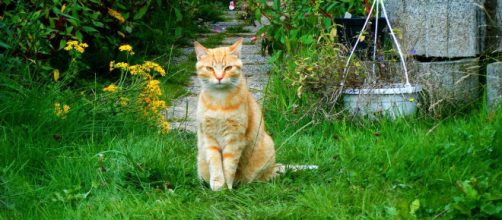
(229, 119)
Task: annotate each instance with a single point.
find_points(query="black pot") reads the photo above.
(350, 29)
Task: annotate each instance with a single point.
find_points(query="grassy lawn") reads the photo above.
(98, 162)
(93, 165)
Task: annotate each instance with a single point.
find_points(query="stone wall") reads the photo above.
(494, 85)
(451, 83)
(438, 28)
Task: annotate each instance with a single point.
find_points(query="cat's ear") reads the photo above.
(199, 50)
(235, 49)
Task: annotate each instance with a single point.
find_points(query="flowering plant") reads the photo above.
(138, 90)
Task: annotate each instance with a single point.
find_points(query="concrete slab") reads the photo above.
(494, 86)
(454, 83)
(438, 28)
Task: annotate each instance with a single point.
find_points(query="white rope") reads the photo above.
(375, 42)
(345, 71)
(397, 44)
(374, 49)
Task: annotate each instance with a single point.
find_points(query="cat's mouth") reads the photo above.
(221, 85)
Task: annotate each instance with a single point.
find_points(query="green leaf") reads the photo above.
(141, 12)
(327, 23)
(294, 33)
(52, 24)
(307, 39)
(491, 209)
(79, 36)
(277, 5)
(179, 17)
(68, 30)
(4, 45)
(89, 29)
(257, 14)
(414, 206)
(469, 190)
(177, 32)
(62, 44)
(98, 24)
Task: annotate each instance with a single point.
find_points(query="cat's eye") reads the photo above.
(228, 68)
(208, 68)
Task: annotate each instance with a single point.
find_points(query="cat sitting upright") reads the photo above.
(231, 139)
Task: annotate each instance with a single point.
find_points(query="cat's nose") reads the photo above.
(219, 78)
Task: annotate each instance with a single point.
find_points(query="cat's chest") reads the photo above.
(221, 124)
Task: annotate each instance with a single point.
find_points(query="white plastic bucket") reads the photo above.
(393, 101)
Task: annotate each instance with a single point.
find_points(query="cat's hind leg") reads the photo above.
(261, 163)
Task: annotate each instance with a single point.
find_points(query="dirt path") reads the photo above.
(181, 113)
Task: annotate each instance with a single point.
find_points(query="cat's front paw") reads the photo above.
(217, 183)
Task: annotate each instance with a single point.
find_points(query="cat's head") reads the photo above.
(219, 68)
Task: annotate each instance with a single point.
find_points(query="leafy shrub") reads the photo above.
(318, 74)
(36, 32)
(294, 25)
(477, 199)
(39, 31)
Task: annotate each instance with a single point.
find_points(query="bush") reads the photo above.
(35, 32)
(295, 25)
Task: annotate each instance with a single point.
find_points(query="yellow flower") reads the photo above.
(111, 88)
(153, 87)
(147, 76)
(66, 109)
(127, 48)
(149, 65)
(123, 101)
(122, 65)
(55, 75)
(57, 106)
(112, 65)
(61, 112)
(362, 38)
(158, 104)
(69, 45)
(75, 45)
(164, 127)
(116, 15)
(136, 70)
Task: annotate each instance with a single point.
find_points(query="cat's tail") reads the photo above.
(283, 168)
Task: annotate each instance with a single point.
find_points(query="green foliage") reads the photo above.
(297, 24)
(39, 30)
(35, 32)
(476, 199)
(315, 75)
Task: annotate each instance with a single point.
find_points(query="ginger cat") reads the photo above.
(231, 139)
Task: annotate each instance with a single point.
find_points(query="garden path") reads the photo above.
(182, 112)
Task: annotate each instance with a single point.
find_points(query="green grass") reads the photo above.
(94, 164)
